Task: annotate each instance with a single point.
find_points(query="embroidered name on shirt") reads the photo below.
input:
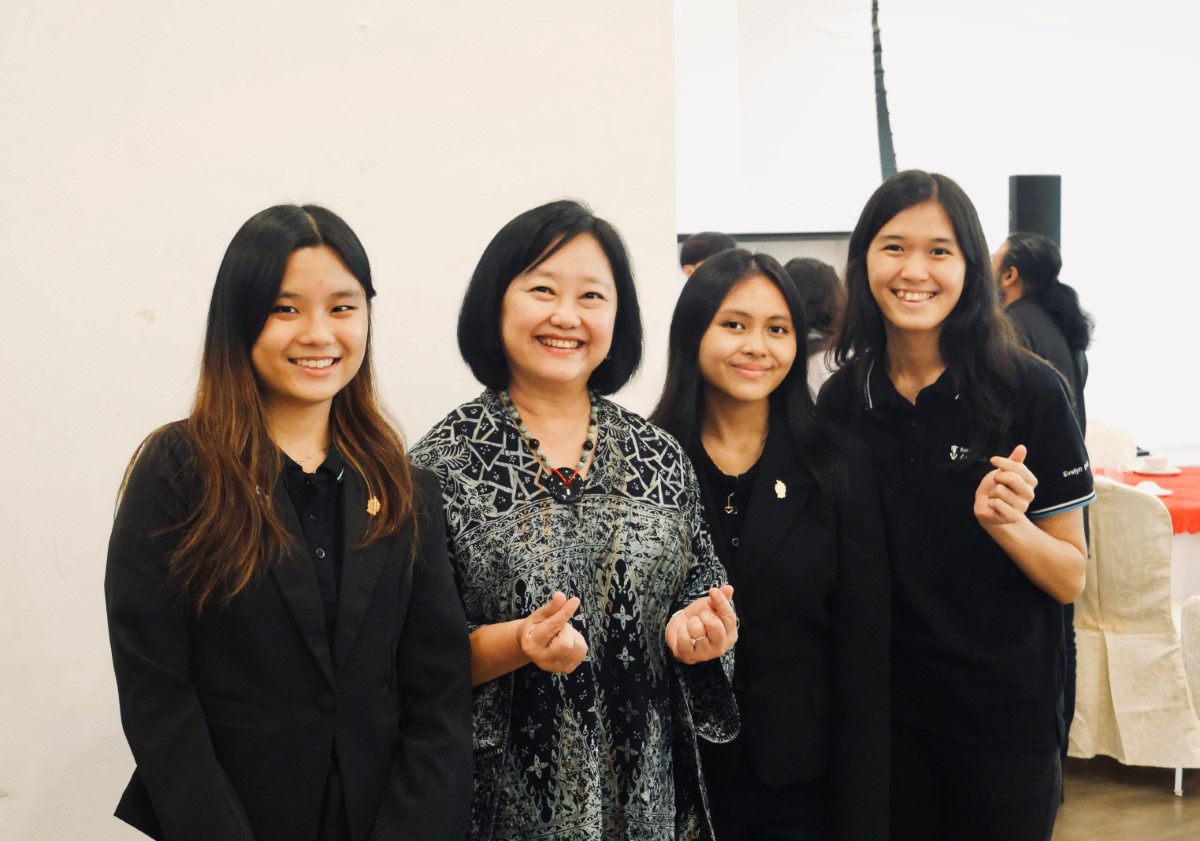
(1074, 471)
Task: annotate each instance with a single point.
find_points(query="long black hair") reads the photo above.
(978, 344)
(234, 531)
(680, 408)
(1038, 262)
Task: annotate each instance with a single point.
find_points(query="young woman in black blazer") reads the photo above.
(793, 508)
(290, 652)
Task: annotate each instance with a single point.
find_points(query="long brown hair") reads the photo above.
(234, 531)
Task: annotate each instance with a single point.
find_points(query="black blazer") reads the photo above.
(811, 661)
(233, 717)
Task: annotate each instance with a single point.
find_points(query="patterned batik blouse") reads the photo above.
(608, 751)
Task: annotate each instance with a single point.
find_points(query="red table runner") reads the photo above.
(1184, 500)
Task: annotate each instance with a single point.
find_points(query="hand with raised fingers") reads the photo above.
(547, 637)
(705, 629)
(1005, 493)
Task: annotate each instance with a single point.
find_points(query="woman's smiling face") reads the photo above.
(315, 338)
(556, 321)
(750, 345)
(916, 270)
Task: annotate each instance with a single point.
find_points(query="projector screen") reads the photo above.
(775, 120)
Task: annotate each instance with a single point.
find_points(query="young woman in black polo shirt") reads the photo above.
(793, 506)
(984, 475)
(291, 655)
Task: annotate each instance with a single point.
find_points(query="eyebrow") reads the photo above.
(892, 237)
(744, 314)
(541, 271)
(340, 295)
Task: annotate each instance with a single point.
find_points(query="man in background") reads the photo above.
(699, 247)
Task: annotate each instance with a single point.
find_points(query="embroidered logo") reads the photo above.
(957, 452)
(780, 488)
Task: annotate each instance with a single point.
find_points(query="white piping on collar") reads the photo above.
(867, 387)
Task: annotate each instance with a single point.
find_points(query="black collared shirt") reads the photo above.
(317, 499)
(977, 647)
(730, 498)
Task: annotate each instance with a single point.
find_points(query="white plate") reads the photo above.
(1166, 471)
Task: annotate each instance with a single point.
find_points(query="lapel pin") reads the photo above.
(780, 488)
(373, 506)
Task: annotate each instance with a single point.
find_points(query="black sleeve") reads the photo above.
(148, 631)
(859, 768)
(428, 792)
(1056, 452)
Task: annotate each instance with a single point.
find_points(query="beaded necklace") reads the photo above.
(565, 484)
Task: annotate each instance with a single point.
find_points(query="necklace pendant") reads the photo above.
(564, 484)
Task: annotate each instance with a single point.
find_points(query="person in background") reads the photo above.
(699, 247)
(984, 475)
(823, 297)
(290, 652)
(1051, 323)
(795, 512)
(1045, 310)
(599, 615)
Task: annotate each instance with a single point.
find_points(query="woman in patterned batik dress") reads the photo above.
(600, 629)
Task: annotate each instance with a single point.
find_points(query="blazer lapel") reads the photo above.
(361, 568)
(298, 582)
(779, 495)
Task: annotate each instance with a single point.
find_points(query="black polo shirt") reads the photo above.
(977, 647)
(317, 499)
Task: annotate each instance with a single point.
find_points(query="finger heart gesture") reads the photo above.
(705, 629)
(1005, 493)
(549, 640)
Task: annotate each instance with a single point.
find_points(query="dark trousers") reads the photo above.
(947, 790)
(747, 809)
(1069, 683)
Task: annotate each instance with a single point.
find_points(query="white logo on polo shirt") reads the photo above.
(957, 452)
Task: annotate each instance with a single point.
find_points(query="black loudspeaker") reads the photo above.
(1035, 205)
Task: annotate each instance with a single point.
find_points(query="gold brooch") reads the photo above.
(780, 488)
(373, 506)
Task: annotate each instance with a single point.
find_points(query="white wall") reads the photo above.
(1104, 96)
(137, 136)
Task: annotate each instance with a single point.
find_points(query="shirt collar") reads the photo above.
(332, 469)
(880, 393)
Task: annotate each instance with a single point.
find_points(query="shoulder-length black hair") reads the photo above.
(978, 344)
(680, 408)
(234, 531)
(522, 245)
(1038, 262)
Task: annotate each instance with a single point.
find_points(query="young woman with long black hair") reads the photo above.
(794, 510)
(290, 653)
(984, 476)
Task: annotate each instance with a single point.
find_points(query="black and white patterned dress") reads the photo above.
(609, 751)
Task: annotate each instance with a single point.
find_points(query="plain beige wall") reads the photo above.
(137, 137)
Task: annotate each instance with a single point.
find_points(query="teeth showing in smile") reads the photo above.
(563, 344)
(314, 363)
(913, 297)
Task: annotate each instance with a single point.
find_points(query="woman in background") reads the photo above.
(1051, 323)
(289, 649)
(599, 620)
(983, 472)
(823, 298)
(795, 514)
